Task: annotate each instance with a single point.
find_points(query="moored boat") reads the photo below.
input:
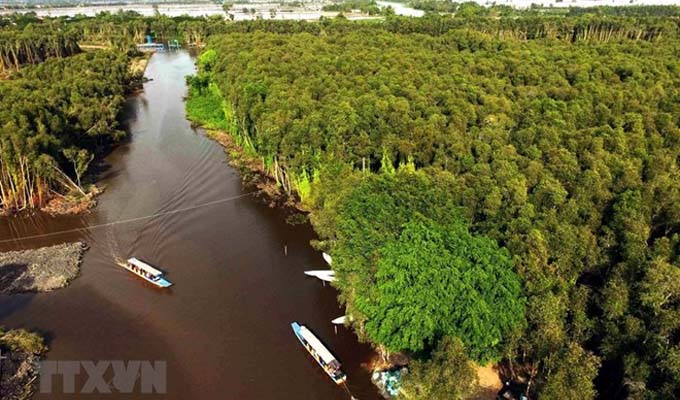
(327, 278)
(323, 357)
(324, 275)
(320, 272)
(147, 272)
(327, 258)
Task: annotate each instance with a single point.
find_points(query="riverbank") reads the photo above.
(358, 212)
(71, 197)
(136, 69)
(203, 112)
(75, 203)
(40, 270)
(203, 109)
(67, 186)
(59, 204)
(79, 202)
(21, 350)
(219, 251)
(253, 173)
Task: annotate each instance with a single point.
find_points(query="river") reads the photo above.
(224, 328)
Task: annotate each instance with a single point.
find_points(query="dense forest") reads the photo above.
(33, 47)
(65, 81)
(468, 9)
(490, 189)
(28, 39)
(53, 118)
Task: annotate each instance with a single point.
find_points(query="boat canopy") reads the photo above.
(144, 266)
(320, 349)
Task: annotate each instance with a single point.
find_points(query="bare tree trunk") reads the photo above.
(68, 181)
(532, 375)
(512, 369)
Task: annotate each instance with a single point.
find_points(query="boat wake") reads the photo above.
(129, 220)
(115, 250)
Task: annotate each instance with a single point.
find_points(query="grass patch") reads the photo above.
(22, 340)
(205, 107)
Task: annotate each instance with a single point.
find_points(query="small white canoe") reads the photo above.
(324, 275)
(339, 320)
(320, 272)
(327, 258)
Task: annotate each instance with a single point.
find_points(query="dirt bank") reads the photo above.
(40, 270)
(253, 173)
(489, 382)
(73, 204)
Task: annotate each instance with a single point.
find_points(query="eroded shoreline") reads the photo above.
(40, 270)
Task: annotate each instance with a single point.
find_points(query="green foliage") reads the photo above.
(461, 9)
(628, 10)
(369, 7)
(470, 9)
(435, 281)
(303, 186)
(206, 60)
(80, 158)
(449, 375)
(411, 272)
(572, 376)
(33, 46)
(386, 165)
(22, 340)
(555, 136)
(58, 113)
(204, 105)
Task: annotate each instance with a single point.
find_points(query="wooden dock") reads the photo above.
(151, 47)
(159, 47)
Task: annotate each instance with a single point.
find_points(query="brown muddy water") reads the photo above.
(224, 328)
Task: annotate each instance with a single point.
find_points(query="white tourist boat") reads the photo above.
(326, 360)
(327, 258)
(147, 272)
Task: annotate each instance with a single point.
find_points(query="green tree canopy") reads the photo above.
(449, 375)
(410, 270)
(435, 281)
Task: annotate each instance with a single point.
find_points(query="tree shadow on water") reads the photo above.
(13, 277)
